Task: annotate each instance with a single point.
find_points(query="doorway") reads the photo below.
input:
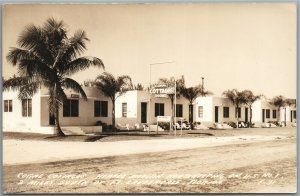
(246, 114)
(143, 112)
(263, 115)
(216, 114)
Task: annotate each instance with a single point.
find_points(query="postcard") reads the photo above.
(149, 98)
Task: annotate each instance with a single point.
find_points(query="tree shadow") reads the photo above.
(208, 134)
(94, 138)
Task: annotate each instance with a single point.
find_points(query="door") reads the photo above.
(143, 112)
(216, 114)
(263, 115)
(246, 114)
(51, 119)
(291, 116)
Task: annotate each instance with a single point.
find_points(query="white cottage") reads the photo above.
(32, 114)
(264, 112)
(133, 107)
(211, 110)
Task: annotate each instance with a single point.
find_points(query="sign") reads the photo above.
(74, 96)
(163, 118)
(161, 95)
(162, 90)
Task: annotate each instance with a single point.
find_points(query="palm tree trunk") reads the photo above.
(250, 121)
(285, 116)
(59, 132)
(113, 113)
(237, 115)
(279, 116)
(191, 113)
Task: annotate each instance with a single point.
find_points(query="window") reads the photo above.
(124, 109)
(178, 110)
(159, 109)
(267, 113)
(7, 105)
(238, 112)
(26, 107)
(225, 112)
(100, 108)
(274, 114)
(71, 108)
(294, 114)
(200, 111)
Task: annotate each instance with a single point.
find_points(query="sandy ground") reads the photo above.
(45, 151)
(254, 163)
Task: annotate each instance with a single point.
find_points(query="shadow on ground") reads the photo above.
(207, 134)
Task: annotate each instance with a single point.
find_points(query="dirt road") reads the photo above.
(250, 167)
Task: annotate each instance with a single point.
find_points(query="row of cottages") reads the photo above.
(221, 110)
(32, 114)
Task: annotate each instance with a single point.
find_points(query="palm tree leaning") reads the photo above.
(46, 57)
(250, 98)
(113, 88)
(237, 98)
(279, 102)
(191, 94)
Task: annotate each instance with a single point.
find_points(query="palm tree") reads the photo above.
(237, 98)
(113, 88)
(46, 57)
(250, 98)
(279, 102)
(191, 94)
(138, 87)
(180, 83)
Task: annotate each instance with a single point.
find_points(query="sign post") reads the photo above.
(151, 64)
(162, 90)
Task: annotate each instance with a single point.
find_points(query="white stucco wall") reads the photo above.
(15, 122)
(208, 110)
(257, 108)
(130, 98)
(288, 114)
(257, 111)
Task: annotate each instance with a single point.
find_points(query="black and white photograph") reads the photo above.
(137, 98)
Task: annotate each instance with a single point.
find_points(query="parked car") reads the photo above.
(243, 124)
(185, 125)
(232, 124)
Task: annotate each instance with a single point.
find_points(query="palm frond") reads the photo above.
(278, 101)
(73, 47)
(15, 55)
(28, 90)
(80, 64)
(52, 25)
(72, 84)
(34, 39)
(14, 83)
(26, 87)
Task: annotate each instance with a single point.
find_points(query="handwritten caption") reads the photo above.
(84, 179)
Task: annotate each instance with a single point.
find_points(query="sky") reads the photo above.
(242, 45)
